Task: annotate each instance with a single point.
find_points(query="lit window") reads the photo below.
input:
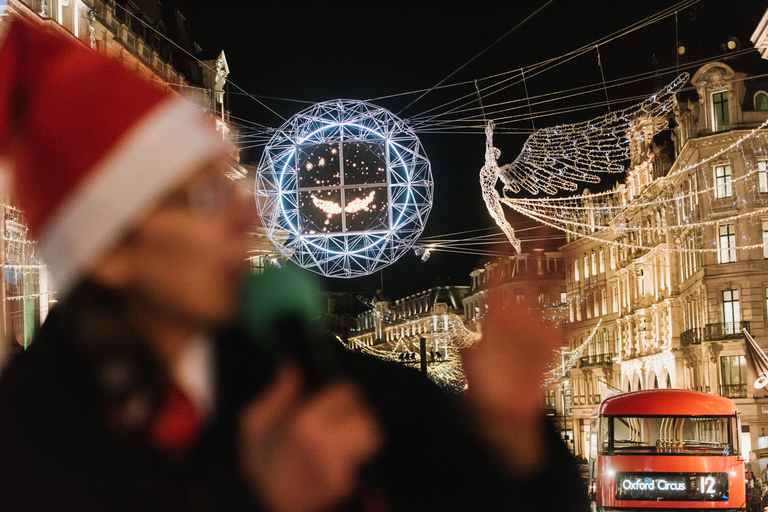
(761, 101)
(640, 283)
(615, 299)
(765, 239)
(723, 181)
(586, 266)
(734, 376)
(720, 120)
(727, 243)
(594, 263)
(543, 296)
(731, 312)
(613, 257)
(576, 271)
(766, 301)
(603, 302)
(596, 304)
(602, 261)
(762, 176)
(550, 401)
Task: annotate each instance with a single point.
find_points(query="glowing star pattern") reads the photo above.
(319, 170)
(328, 207)
(360, 204)
(344, 188)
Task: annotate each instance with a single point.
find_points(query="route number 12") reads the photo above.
(707, 485)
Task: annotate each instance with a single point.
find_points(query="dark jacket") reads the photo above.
(60, 449)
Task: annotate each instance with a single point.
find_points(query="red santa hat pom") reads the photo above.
(91, 146)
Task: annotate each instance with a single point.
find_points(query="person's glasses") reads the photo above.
(208, 194)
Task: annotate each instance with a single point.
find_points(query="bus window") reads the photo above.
(667, 435)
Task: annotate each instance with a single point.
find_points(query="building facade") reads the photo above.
(408, 319)
(660, 292)
(535, 279)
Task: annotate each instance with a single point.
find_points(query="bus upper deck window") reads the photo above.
(665, 435)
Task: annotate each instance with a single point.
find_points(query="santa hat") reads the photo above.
(91, 146)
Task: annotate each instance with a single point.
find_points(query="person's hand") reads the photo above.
(505, 372)
(302, 453)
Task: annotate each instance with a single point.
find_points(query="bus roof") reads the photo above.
(667, 402)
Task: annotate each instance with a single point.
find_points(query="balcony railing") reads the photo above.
(691, 337)
(733, 390)
(725, 331)
(595, 360)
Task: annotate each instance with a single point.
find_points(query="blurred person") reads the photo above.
(753, 492)
(141, 390)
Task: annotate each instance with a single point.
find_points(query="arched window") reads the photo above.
(761, 100)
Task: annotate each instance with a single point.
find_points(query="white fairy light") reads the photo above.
(557, 158)
(444, 366)
(568, 360)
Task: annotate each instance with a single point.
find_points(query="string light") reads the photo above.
(447, 341)
(568, 360)
(616, 218)
(445, 364)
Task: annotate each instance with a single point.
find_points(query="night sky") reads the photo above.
(290, 54)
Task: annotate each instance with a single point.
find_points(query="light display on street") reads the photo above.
(344, 188)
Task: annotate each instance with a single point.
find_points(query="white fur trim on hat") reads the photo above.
(167, 144)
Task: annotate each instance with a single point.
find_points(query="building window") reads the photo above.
(734, 376)
(602, 261)
(720, 119)
(731, 313)
(594, 263)
(550, 403)
(765, 239)
(519, 296)
(640, 283)
(576, 270)
(613, 257)
(726, 240)
(603, 302)
(723, 181)
(596, 303)
(761, 101)
(567, 401)
(562, 295)
(543, 296)
(762, 176)
(586, 266)
(615, 298)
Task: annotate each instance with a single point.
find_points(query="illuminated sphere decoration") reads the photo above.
(344, 188)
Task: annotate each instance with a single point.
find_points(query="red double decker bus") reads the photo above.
(666, 449)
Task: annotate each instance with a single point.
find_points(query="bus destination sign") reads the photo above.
(639, 486)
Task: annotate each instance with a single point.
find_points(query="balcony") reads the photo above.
(691, 337)
(595, 360)
(725, 331)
